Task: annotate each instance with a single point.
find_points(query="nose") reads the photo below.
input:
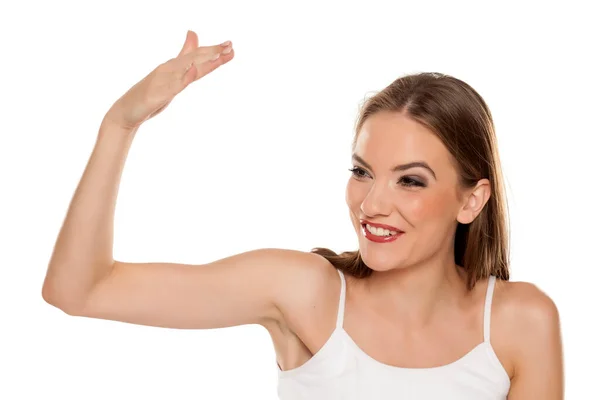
(378, 200)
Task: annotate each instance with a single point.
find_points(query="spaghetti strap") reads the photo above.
(340, 368)
(487, 312)
(341, 306)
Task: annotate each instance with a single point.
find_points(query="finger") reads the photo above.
(211, 50)
(194, 66)
(211, 56)
(190, 44)
(198, 55)
(207, 67)
(205, 58)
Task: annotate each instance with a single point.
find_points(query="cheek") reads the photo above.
(353, 195)
(354, 198)
(422, 207)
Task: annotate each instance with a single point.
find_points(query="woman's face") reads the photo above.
(421, 200)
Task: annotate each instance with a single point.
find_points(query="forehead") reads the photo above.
(388, 138)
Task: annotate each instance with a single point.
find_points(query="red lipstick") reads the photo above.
(380, 239)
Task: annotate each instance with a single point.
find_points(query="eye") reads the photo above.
(356, 171)
(406, 181)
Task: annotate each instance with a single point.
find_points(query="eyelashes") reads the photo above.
(404, 181)
(356, 170)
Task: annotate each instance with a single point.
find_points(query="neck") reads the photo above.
(418, 292)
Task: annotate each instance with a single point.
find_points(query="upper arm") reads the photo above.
(537, 347)
(241, 289)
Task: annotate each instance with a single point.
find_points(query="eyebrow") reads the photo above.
(400, 167)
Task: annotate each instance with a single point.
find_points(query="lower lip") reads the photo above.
(379, 239)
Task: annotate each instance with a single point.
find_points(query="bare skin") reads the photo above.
(414, 311)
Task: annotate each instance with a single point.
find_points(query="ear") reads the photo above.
(475, 200)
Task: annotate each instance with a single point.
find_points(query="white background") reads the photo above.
(256, 155)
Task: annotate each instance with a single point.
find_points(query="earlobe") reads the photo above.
(465, 215)
(476, 200)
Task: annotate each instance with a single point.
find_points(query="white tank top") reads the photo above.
(341, 370)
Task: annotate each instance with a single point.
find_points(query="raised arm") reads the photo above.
(246, 288)
(84, 279)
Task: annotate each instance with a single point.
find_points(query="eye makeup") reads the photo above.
(408, 181)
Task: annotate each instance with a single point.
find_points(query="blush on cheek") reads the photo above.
(424, 208)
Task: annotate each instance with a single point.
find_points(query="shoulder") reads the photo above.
(288, 266)
(526, 326)
(305, 279)
(525, 305)
(302, 268)
(307, 297)
(312, 279)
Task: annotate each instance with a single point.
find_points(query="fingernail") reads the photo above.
(227, 51)
(225, 44)
(215, 56)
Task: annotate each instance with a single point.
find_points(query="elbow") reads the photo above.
(47, 293)
(54, 298)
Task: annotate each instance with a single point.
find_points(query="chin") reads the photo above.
(382, 262)
(382, 268)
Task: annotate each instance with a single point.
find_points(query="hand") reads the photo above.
(153, 94)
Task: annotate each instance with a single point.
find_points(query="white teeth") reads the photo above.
(380, 231)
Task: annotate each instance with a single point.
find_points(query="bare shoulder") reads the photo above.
(526, 333)
(526, 306)
(308, 285)
(307, 301)
(300, 281)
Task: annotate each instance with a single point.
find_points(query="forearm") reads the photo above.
(83, 252)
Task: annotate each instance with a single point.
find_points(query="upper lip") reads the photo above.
(383, 226)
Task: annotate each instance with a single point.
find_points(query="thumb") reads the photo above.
(191, 43)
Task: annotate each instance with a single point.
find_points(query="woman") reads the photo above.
(423, 310)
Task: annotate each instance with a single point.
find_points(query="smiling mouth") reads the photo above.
(379, 231)
(379, 235)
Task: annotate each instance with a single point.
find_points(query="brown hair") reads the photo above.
(458, 115)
